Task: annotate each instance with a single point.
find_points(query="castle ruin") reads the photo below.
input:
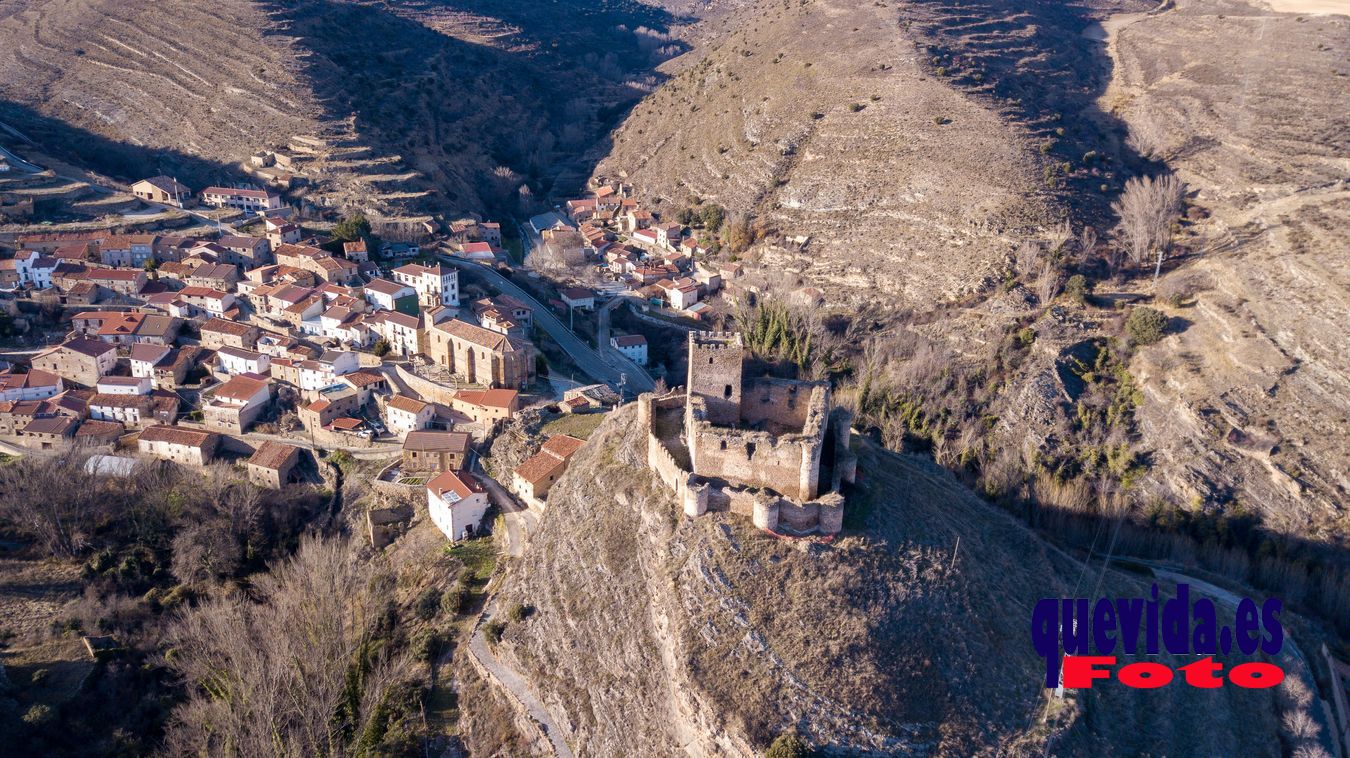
(771, 449)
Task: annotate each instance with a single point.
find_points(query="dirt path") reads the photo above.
(516, 685)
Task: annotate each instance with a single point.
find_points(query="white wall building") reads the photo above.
(236, 360)
(456, 503)
(435, 285)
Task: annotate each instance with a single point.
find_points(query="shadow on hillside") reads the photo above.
(1032, 61)
(533, 106)
(119, 160)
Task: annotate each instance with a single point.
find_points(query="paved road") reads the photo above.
(586, 358)
(516, 685)
(19, 163)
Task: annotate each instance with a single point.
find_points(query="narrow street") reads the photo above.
(586, 357)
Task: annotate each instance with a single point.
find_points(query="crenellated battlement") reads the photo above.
(754, 448)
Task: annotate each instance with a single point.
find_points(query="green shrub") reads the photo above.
(492, 630)
(856, 107)
(1145, 325)
(1078, 288)
(788, 745)
(427, 604)
(1026, 337)
(454, 600)
(382, 347)
(519, 612)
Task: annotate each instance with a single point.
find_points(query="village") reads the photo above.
(277, 344)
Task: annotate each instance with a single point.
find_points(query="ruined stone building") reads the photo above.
(773, 449)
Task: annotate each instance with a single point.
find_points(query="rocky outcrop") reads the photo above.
(654, 634)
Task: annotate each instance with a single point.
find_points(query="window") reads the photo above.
(726, 391)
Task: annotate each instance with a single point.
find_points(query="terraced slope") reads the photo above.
(910, 143)
(404, 108)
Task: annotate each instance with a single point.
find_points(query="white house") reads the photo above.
(124, 385)
(404, 333)
(144, 358)
(34, 385)
(237, 360)
(404, 414)
(30, 270)
(324, 370)
(578, 297)
(382, 293)
(242, 199)
(633, 346)
(456, 502)
(435, 285)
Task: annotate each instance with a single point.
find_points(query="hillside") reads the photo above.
(904, 141)
(925, 149)
(710, 637)
(1244, 403)
(408, 116)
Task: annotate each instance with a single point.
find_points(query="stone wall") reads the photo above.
(697, 496)
(784, 403)
(428, 390)
(788, 463)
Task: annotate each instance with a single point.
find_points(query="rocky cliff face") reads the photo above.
(656, 635)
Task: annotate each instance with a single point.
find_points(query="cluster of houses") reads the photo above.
(180, 346)
(654, 258)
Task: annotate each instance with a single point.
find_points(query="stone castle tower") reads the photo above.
(715, 375)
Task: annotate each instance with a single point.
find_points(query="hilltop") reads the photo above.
(709, 636)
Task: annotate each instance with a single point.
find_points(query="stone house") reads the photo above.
(162, 189)
(49, 433)
(125, 282)
(273, 464)
(99, 434)
(249, 252)
(331, 404)
(179, 444)
(236, 404)
(431, 450)
(80, 360)
(219, 332)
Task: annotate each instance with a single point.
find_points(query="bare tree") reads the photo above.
(1027, 259)
(1047, 286)
(1147, 208)
(50, 500)
(1058, 236)
(303, 671)
(1087, 242)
